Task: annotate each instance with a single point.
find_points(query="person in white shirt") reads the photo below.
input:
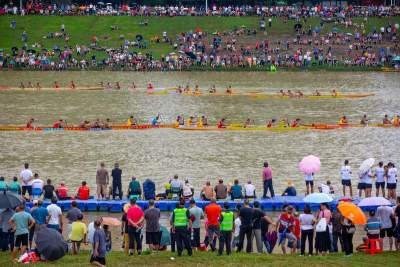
(249, 190)
(55, 216)
(386, 215)
(379, 174)
(37, 186)
(391, 180)
(235, 240)
(345, 173)
(26, 180)
(187, 190)
(176, 186)
(365, 183)
(307, 221)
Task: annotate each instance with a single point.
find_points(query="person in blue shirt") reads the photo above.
(149, 189)
(236, 190)
(23, 222)
(290, 190)
(15, 186)
(3, 185)
(40, 214)
(155, 120)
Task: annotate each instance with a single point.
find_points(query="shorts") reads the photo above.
(346, 182)
(153, 238)
(391, 186)
(21, 240)
(27, 188)
(310, 183)
(373, 236)
(380, 185)
(101, 260)
(361, 186)
(386, 232)
(297, 244)
(368, 186)
(284, 235)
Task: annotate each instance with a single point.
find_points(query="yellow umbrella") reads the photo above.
(352, 212)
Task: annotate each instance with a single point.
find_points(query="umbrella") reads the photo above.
(298, 26)
(310, 164)
(335, 30)
(139, 37)
(271, 238)
(366, 165)
(51, 244)
(349, 34)
(352, 212)
(198, 29)
(111, 221)
(396, 58)
(318, 198)
(9, 200)
(374, 201)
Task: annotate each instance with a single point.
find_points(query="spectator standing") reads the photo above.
(55, 216)
(135, 217)
(72, 216)
(213, 213)
(267, 180)
(78, 234)
(345, 173)
(348, 231)
(116, 175)
(386, 217)
(26, 180)
(322, 243)
(153, 234)
(197, 214)
(285, 227)
(181, 221)
(7, 240)
(102, 179)
(246, 226)
(258, 215)
(22, 221)
(227, 220)
(307, 222)
(336, 232)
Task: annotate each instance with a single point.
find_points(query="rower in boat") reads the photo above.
(317, 93)
(38, 87)
(191, 122)
(187, 90)
(108, 86)
(283, 123)
(271, 123)
(386, 120)
(282, 93)
(299, 94)
(72, 85)
(334, 93)
(59, 124)
(131, 121)
(29, 85)
(106, 124)
(204, 121)
(96, 123)
(150, 87)
(295, 123)
(199, 123)
(132, 86)
(21, 85)
(117, 86)
(85, 124)
(396, 120)
(179, 90)
(364, 120)
(155, 121)
(56, 85)
(212, 90)
(229, 90)
(290, 94)
(247, 123)
(221, 123)
(181, 120)
(30, 122)
(343, 120)
(197, 90)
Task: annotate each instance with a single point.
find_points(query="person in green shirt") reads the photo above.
(227, 221)
(3, 185)
(181, 222)
(134, 189)
(14, 186)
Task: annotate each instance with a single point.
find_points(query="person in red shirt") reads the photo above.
(58, 124)
(221, 123)
(285, 227)
(295, 123)
(62, 191)
(135, 217)
(213, 213)
(30, 122)
(83, 192)
(296, 231)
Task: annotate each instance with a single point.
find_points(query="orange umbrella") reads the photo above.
(352, 212)
(111, 221)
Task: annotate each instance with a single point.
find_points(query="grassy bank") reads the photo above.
(81, 29)
(240, 260)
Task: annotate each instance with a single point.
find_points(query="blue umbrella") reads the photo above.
(9, 200)
(396, 58)
(318, 198)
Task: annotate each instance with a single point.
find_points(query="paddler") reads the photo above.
(229, 90)
(108, 86)
(85, 124)
(364, 120)
(176, 124)
(187, 89)
(179, 90)
(282, 93)
(117, 86)
(204, 120)
(386, 120)
(190, 121)
(221, 123)
(283, 123)
(197, 90)
(299, 93)
(271, 123)
(334, 93)
(317, 93)
(106, 124)
(150, 87)
(29, 85)
(131, 121)
(290, 94)
(72, 85)
(343, 120)
(59, 124)
(396, 121)
(56, 85)
(96, 123)
(247, 123)
(199, 122)
(295, 123)
(133, 86)
(212, 90)
(21, 85)
(155, 120)
(30, 122)
(38, 87)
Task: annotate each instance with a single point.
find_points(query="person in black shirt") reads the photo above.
(246, 228)
(258, 214)
(48, 190)
(116, 174)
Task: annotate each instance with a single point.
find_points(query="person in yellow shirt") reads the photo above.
(199, 123)
(78, 234)
(343, 120)
(131, 121)
(396, 121)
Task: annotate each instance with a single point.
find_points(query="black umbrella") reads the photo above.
(31, 51)
(139, 37)
(9, 200)
(298, 26)
(51, 244)
(14, 48)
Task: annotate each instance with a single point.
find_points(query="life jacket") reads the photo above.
(180, 217)
(83, 193)
(227, 221)
(62, 191)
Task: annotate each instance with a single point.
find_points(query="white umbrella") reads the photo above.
(366, 165)
(318, 198)
(374, 201)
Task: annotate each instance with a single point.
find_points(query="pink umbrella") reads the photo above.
(310, 164)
